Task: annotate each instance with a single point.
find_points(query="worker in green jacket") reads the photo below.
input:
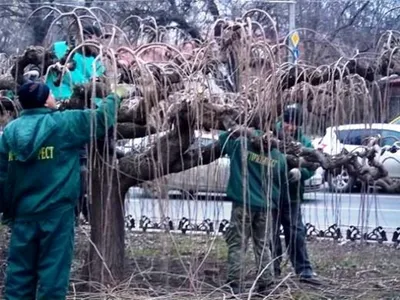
(250, 217)
(83, 67)
(39, 172)
(288, 213)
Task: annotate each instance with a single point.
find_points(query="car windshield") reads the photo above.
(357, 136)
(390, 137)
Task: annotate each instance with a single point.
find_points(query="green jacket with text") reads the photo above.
(39, 158)
(265, 173)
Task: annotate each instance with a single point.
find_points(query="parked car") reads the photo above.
(395, 121)
(213, 178)
(350, 137)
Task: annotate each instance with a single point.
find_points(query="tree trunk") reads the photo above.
(107, 245)
(108, 190)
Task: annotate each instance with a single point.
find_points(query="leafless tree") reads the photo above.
(180, 94)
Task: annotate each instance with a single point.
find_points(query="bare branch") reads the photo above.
(351, 21)
(165, 152)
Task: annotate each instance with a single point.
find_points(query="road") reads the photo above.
(360, 210)
(321, 209)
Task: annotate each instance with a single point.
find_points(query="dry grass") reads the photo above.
(162, 266)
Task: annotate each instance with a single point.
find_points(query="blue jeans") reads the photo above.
(289, 216)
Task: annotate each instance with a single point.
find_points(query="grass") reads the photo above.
(163, 266)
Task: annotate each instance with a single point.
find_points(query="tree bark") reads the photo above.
(110, 184)
(106, 255)
(166, 152)
(133, 131)
(7, 82)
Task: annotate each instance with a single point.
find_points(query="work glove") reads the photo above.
(122, 90)
(32, 75)
(294, 175)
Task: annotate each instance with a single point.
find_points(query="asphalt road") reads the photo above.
(321, 209)
(361, 210)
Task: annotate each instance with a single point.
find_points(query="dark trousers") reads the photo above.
(244, 225)
(289, 216)
(40, 257)
(83, 206)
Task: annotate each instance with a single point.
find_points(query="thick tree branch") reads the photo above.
(372, 173)
(213, 9)
(7, 105)
(34, 55)
(132, 131)
(197, 157)
(298, 74)
(163, 154)
(134, 110)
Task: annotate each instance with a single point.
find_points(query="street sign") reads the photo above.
(295, 38)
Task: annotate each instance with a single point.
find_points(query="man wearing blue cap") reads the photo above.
(288, 211)
(39, 175)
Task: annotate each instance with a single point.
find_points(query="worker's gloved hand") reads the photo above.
(122, 90)
(32, 75)
(294, 175)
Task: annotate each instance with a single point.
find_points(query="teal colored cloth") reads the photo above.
(40, 257)
(82, 74)
(10, 94)
(98, 101)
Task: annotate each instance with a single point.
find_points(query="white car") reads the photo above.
(213, 178)
(350, 137)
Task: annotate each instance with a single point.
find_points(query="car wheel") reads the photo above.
(341, 183)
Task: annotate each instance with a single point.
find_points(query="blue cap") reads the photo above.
(33, 95)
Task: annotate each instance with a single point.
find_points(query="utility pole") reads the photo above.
(294, 37)
(292, 26)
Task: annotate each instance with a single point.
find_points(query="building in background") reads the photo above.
(386, 99)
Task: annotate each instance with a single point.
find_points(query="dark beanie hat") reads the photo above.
(33, 95)
(293, 115)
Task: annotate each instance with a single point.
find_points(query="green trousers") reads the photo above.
(40, 257)
(246, 224)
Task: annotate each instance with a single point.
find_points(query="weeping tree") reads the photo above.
(234, 78)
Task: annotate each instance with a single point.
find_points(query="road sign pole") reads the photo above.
(292, 27)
